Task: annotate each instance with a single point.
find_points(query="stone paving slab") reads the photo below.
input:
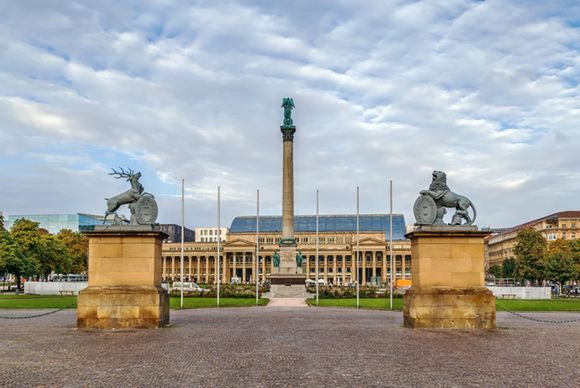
(287, 302)
(287, 347)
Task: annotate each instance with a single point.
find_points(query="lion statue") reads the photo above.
(445, 198)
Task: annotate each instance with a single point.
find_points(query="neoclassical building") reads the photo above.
(562, 225)
(337, 250)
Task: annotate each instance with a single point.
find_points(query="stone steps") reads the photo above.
(292, 291)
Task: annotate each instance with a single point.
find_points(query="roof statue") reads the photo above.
(430, 207)
(142, 205)
(288, 105)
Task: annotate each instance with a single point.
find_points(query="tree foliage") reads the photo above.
(77, 247)
(13, 260)
(32, 251)
(530, 251)
(559, 268)
(495, 270)
(509, 268)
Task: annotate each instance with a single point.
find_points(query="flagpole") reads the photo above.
(357, 249)
(317, 246)
(182, 234)
(257, 244)
(391, 239)
(218, 248)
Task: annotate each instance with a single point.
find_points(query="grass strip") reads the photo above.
(506, 304)
(365, 303)
(204, 302)
(37, 301)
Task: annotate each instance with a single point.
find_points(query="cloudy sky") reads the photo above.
(384, 90)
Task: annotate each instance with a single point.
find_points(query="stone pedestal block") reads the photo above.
(124, 281)
(449, 308)
(447, 273)
(121, 307)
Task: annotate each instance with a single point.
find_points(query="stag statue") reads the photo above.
(146, 213)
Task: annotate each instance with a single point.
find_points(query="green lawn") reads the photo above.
(511, 305)
(538, 305)
(196, 303)
(365, 303)
(57, 301)
(37, 301)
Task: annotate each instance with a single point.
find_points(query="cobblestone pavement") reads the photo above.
(287, 347)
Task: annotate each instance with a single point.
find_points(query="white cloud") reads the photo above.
(487, 91)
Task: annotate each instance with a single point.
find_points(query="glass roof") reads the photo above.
(326, 223)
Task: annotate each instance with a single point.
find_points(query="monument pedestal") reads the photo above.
(124, 288)
(287, 273)
(448, 280)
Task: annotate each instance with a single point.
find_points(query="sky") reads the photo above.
(486, 91)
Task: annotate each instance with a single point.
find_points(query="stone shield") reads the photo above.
(146, 210)
(425, 210)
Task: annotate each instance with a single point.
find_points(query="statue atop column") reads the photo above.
(288, 105)
(142, 205)
(430, 207)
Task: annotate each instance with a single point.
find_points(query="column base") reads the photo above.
(449, 308)
(122, 307)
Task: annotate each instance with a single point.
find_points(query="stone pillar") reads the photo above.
(288, 190)
(198, 267)
(234, 270)
(403, 267)
(244, 268)
(124, 288)
(374, 253)
(384, 267)
(448, 280)
(363, 280)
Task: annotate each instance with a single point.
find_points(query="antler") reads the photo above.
(122, 173)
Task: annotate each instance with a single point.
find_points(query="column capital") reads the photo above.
(288, 132)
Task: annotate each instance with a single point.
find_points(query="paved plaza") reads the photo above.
(285, 347)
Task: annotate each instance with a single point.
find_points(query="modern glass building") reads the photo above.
(78, 222)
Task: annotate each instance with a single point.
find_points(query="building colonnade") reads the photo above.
(335, 267)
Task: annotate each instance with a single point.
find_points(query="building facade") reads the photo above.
(210, 234)
(336, 256)
(174, 232)
(562, 225)
(53, 223)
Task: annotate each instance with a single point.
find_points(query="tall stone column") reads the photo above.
(285, 269)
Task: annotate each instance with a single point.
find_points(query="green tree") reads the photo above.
(559, 268)
(575, 249)
(495, 270)
(53, 256)
(508, 268)
(13, 260)
(77, 246)
(39, 247)
(2, 227)
(530, 251)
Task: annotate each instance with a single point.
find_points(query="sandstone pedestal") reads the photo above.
(448, 280)
(124, 288)
(288, 273)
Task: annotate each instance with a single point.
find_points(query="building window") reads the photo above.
(552, 236)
